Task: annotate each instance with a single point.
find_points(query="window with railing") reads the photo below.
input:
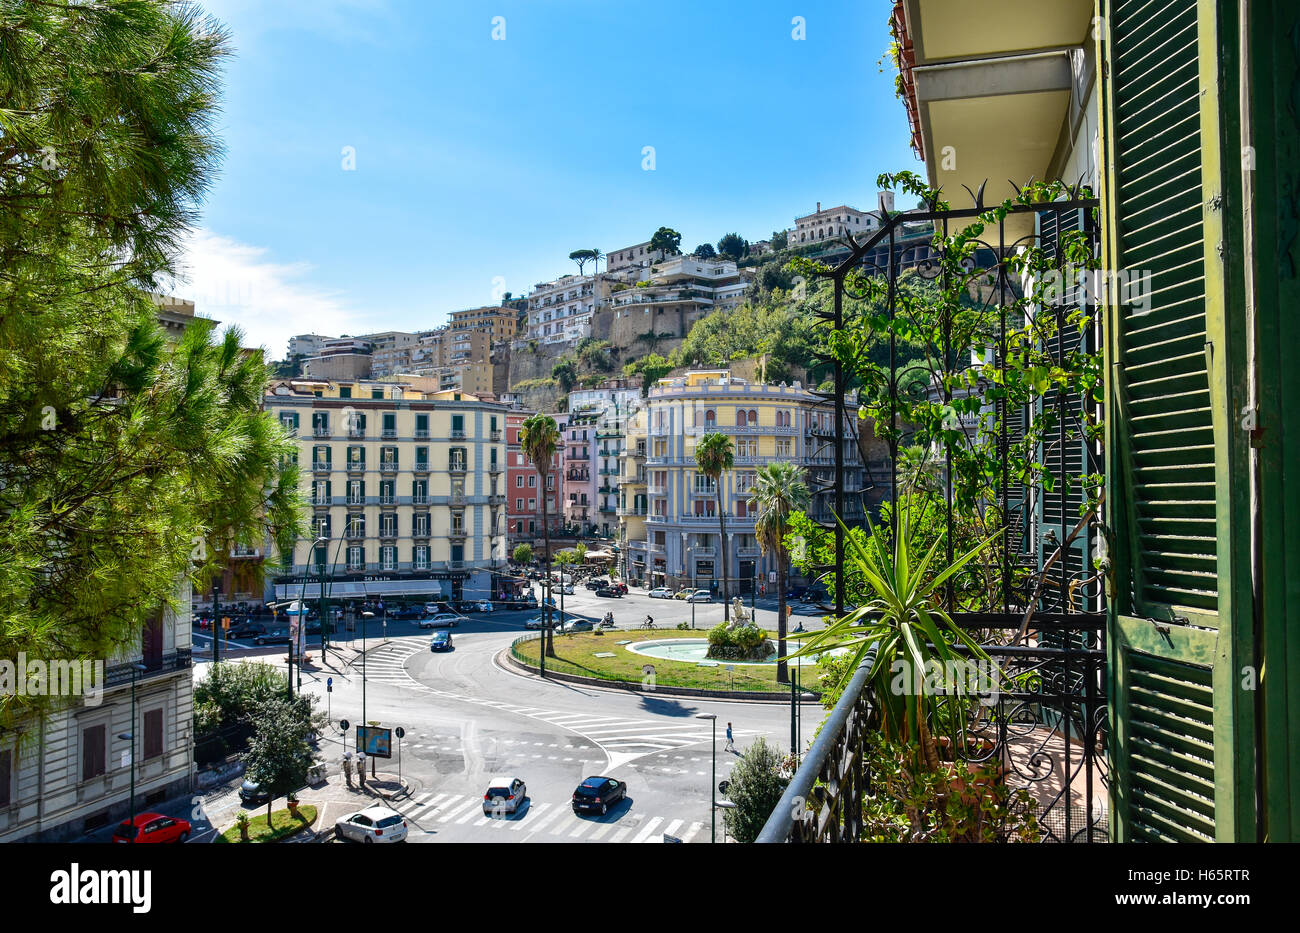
(356, 492)
(420, 524)
(457, 459)
(420, 557)
(388, 525)
(356, 559)
(388, 558)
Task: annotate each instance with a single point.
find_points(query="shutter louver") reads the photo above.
(1158, 195)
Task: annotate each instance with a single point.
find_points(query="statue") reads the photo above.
(738, 614)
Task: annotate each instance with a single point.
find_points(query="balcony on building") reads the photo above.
(320, 466)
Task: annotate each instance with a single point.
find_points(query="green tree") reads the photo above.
(127, 462)
(704, 251)
(714, 455)
(583, 256)
(780, 240)
(523, 554)
(756, 785)
(539, 438)
(778, 491)
(651, 368)
(733, 246)
(580, 550)
(667, 240)
(280, 755)
(565, 373)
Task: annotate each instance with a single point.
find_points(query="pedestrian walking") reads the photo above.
(731, 744)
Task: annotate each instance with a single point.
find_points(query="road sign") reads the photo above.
(329, 685)
(375, 742)
(343, 724)
(771, 576)
(723, 787)
(400, 732)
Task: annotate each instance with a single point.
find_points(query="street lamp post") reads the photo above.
(136, 670)
(713, 782)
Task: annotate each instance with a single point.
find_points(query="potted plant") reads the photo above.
(293, 804)
(242, 822)
(912, 635)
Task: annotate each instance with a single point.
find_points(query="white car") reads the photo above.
(661, 592)
(373, 824)
(504, 795)
(484, 606)
(539, 622)
(442, 621)
(700, 596)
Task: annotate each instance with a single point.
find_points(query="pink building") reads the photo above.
(523, 502)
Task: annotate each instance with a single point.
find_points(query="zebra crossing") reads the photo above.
(430, 810)
(623, 738)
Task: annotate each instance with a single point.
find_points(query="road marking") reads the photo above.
(454, 810)
(671, 829)
(649, 828)
(537, 827)
(532, 810)
(473, 811)
(581, 828)
(690, 833)
(622, 834)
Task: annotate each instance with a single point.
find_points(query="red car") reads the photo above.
(152, 827)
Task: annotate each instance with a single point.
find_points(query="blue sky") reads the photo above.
(481, 163)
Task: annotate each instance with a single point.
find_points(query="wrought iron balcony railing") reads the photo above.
(1041, 730)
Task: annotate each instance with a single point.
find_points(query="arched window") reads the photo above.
(753, 416)
(710, 418)
(740, 418)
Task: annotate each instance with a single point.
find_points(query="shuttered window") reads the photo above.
(1175, 772)
(1160, 230)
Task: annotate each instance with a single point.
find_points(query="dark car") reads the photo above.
(278, 637)
(610, 592)
(251, 794)
(441, 641)
(598, 794)
(246, 629)
(596, 584)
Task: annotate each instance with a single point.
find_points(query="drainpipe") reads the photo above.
(1252, 401)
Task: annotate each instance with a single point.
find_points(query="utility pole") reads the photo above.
(216, 622)
(713, 782)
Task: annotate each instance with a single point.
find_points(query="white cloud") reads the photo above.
(239, 284)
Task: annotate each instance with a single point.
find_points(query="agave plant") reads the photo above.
(904, 621)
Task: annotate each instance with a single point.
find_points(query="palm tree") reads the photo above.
(778, 490)
(539, 438)
(714, 455)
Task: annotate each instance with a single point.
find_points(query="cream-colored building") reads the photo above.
(672, 527)
(405, 482)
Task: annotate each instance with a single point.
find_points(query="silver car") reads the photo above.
(504, 795)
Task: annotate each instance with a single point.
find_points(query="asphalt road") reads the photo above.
(467, 718)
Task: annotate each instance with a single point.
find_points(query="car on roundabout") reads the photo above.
(445, 620)
(684, 592)
(578, 625)
(373, 824)
(539, 622)
(661, 592)
(504, 795)
(610, 592)
(598, 794)
(700, 596)
(441, 641)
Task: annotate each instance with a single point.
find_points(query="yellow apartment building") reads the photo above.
(406, 485)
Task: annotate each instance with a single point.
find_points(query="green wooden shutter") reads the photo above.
(1175, 712)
